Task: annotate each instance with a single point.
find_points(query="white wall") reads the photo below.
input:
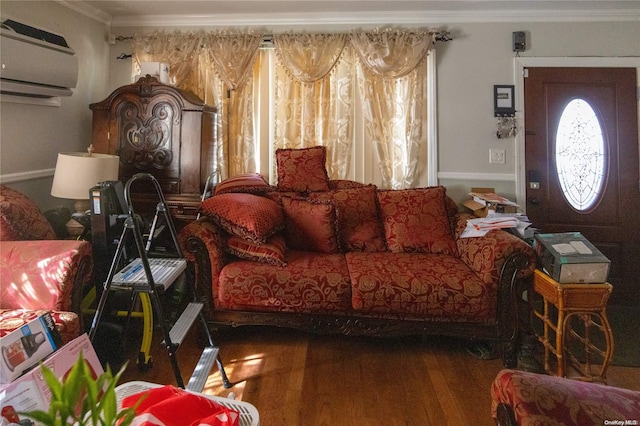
(32, 135)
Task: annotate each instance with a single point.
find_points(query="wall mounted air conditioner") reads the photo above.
(35, 62)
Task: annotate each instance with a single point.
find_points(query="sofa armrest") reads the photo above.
(54, 271)
(202, 243)
(487, 255)
(542, 399)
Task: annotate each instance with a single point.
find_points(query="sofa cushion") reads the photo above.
(310, 282)
(310, 225)
(418, 285)
(302, 170)
(252, 183)
(416, 220)
(247, 216)
(359, 226)
(344, 184)
(21, 219)
(67, 323)
(272, 252)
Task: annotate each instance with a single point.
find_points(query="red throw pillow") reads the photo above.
(302, 170)
(247, 216)
(21, 219)
(416, 220)
(271, 252)
(359, 226)
(310, 225)
(252, 183)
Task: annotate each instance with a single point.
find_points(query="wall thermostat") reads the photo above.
(519, 41)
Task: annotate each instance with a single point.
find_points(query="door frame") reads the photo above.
(519, 64)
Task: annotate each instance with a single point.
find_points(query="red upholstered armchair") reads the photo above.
(37, 272)
(522, 398)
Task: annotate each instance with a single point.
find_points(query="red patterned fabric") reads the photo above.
(272, 252)
(67, 323)
(252, 183)
(538, 399)
(247, 216)
(344, 184)
(310, 225)
(420, 284)
(358, 223)
(40, 274)
(451, 206)
(416, 220)
(21, 219)
(486, 255)
(302, 170)
(213, 237)
(311, 282)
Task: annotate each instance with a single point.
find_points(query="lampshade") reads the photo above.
(77, 172)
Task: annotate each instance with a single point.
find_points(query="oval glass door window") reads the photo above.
(580, 155)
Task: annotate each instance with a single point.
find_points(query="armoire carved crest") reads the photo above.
(162, 130)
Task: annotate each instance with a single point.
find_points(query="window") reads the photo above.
(580, 155)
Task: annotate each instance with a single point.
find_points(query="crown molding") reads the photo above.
(87, 10)
(376, 18)
(285, 20)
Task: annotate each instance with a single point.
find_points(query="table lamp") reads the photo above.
(75, 174)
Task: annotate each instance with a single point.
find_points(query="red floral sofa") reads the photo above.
(38, 273)
(340, 256)
(524, 398)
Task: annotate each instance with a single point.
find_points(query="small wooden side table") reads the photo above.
(585, 302)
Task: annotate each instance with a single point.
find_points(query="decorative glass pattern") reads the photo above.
(580, 155)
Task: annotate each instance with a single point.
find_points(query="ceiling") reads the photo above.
(216, 12)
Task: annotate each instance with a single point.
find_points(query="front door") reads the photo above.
(581, 156)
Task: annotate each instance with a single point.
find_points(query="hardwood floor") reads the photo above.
(295, 378)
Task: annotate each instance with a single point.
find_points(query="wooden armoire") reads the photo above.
(162, 130)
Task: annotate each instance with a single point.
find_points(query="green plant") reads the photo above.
(81, 398)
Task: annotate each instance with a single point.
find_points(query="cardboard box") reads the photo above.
(485, 201)
(26, 346)
(159, 70)
(570, 258)
(30, 392)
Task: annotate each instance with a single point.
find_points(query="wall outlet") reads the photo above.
(496, 156)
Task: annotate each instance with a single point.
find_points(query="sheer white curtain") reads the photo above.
(392, 77)
(316, 79)
(314, 96)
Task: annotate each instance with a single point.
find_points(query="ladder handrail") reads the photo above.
(161, 207)
(208, 184)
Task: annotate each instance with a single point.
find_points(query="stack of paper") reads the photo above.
(518, 223)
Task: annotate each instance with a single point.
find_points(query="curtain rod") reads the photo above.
(441, 35)
(267, 40)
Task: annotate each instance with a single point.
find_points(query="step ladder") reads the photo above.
(150, 278)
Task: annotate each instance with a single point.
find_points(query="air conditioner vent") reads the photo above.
(36, 33)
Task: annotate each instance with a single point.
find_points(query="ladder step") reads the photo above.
(163, 270)
(182, 326)
(203, 368)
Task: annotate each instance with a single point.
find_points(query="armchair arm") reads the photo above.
(487, 255)
(44, 274)
(202, 243)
